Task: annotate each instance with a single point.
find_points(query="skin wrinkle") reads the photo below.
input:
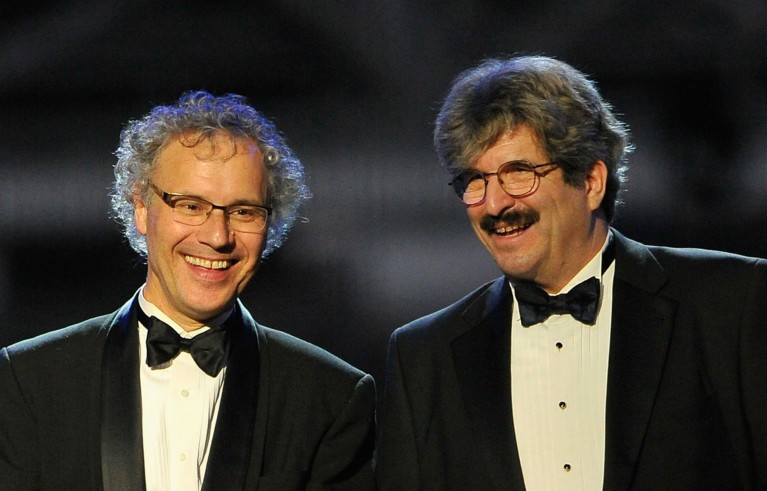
(563, 226)
(192, 294)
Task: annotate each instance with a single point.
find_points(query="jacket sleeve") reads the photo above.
(397, 457)
(18, 433)
(753, 367)
(344, 456)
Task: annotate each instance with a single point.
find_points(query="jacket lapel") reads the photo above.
(641, 331)
(231, 451)
(481, 357)
(122, 456)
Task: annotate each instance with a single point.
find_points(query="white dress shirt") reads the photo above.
(559, 392)
(179, 405)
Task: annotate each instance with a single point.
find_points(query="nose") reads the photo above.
(216, 230)
(496, 199)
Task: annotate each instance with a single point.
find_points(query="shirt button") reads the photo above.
(567, 467)
(182, 457)
(559, 346)
(562, 405)
(185, 393)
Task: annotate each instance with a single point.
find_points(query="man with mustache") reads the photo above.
(181, 389)
(595, 362)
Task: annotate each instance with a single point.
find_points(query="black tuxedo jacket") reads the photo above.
(292, 416)
(686, 395)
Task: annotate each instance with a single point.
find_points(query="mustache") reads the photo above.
(509, 218)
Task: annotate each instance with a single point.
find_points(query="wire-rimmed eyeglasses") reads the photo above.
(518, 178)
(191, 210)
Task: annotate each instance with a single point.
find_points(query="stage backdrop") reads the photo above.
(354, 86)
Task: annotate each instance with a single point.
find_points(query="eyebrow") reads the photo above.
(238, 202)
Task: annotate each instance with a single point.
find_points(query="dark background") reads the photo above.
(354, 86)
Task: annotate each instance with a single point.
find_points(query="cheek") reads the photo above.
(151, 228)
(164, 234)
(474, 213)
(571, 215)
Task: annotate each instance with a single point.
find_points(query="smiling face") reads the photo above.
(548, 236)
(195, 272)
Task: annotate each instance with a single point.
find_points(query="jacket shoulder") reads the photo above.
(445, 321)
(673, 257)
(59, 342)
(695, 278)
(290, 356)
(703, 269)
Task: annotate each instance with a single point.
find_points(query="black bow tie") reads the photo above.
(163, 343)
(535, 305)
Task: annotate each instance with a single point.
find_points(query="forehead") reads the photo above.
(210, 165)
(520, 143)
(215, 145)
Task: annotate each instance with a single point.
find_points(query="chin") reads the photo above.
(208, 310)
(518, 269)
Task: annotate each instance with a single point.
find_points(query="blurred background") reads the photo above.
(355, 86)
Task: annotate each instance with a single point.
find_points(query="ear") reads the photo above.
(596, 184)
(140, 213)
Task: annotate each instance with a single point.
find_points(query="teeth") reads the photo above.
(508, 230)
(206, 263)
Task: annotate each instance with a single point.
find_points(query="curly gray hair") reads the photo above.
(574, 125)
(198, 111)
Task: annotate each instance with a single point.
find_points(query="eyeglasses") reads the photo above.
(517, 177)
(191, 210)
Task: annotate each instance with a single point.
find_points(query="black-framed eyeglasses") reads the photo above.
(518, 178)
(191, 210)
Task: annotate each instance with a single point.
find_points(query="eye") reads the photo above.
(468, 179)
(188, 206)
(245, 214)
(517, 166)
(473, 181)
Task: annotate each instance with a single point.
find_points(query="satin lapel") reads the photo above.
(230, 455)
(481, 356)
(122, 454)
(641, 331)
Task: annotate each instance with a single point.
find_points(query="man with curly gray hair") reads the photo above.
(181, 389)
(594, 361)
(142, 140)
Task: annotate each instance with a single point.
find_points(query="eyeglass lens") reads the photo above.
(193, 211)
(516, 178)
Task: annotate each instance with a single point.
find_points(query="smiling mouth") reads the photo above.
(207, 263)
(511, 229)
(510, 223)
